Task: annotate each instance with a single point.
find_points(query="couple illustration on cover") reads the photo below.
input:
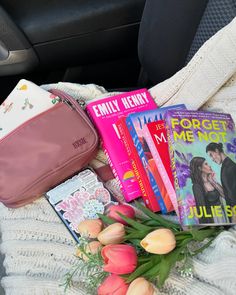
(207, 190)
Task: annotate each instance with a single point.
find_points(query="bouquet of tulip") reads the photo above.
(127, 254)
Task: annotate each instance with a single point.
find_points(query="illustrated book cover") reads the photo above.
(78, 198)
(156, 138)
(104, 113)
(202, 148)
(139, 172)
(135, 123)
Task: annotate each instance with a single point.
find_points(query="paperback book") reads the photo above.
(202, 148)
(156, 138)
(104, 114)
(135, 123)
(139, 172)
(80, 197)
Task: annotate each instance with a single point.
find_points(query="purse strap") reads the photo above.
(104, 172)
(68, 99)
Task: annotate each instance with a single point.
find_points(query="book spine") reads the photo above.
(161, 169)
(174, 172)
(139, 172)
(151, 181)
(107, 155)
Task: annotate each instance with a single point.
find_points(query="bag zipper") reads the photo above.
(59, 104)
(64, 98)
(70, 101)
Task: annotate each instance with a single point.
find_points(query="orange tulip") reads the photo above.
(92, 248)
(160, 241)
(90, 227)
(113, 234)
(113, 285)
(140, 286)
(119, 259)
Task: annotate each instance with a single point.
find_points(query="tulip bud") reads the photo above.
(113, 234)
(160, 241)
(123, 209)
(92, 248)
(113, 285)
(140, 286)
(90, 228)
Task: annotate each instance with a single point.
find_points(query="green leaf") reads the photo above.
(148, 267)
(139, 271)
(183, 237)
(203, 247)
(183, 232)
(183, 242)
(165, 267)
(167, 262)
(153, 272)
(137, 235)
(134, 223)
(136, 243)
(152, 223)
(161, 220)
(202, 234)
(106, 219)
(146, 258)
(129, 229)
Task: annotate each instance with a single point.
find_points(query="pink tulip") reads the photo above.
(119, 259)
(113, 285)
(123, 209)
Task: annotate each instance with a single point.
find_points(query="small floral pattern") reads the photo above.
(84, 205)
(91, 208)
(183, 167)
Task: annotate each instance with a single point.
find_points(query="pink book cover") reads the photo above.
(104, 114)
(156, 137)
(139, 171)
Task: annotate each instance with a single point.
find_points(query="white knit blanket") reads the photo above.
(38, 248)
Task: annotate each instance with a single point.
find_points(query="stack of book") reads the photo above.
(175, 159)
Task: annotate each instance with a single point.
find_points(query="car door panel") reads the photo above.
(77, 31)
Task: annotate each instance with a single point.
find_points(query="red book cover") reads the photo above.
(138, 169)
(156, 138)
(135, 123)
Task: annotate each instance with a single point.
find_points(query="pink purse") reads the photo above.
(45, 151)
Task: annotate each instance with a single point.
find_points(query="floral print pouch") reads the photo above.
(25, 101)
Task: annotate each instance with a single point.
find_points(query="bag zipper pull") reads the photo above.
(81, 102)
(62, 95)
(68, 103)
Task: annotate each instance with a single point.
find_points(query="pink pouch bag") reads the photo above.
(45, 151)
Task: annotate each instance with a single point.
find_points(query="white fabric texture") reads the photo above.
(38, 248)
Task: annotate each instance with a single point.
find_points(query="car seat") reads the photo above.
(171, 32)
